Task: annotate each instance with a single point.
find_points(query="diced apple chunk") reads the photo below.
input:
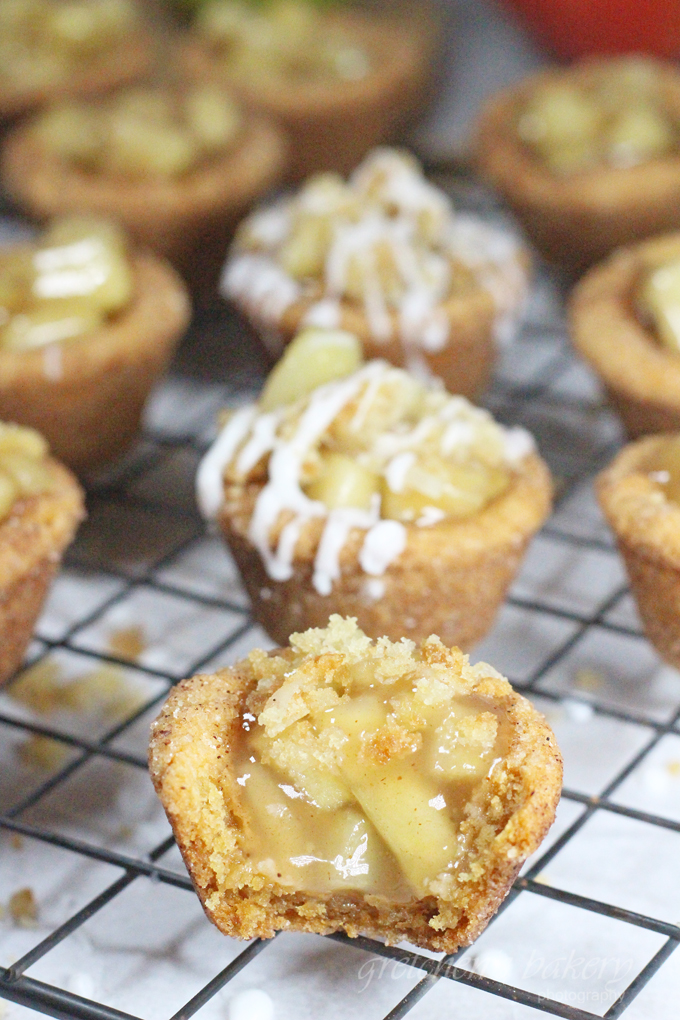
(660, 299)
(463, 746)
(213, 117)
(140, 148)
(50, 322)
(303, 254)
(315, 357)
(459, 490)
(639, 134)
(342, 482)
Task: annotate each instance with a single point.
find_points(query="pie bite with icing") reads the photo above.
(339, 784)
(640, 496)
(357, 489)
(384, 255)
(176, 166)
(625, 321)
(87, 326)
(588, 156)
(51, 48)
(337, 81)
(41, 505)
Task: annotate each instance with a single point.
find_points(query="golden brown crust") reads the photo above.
(87, 396)
(32, 540)
(577, 220)
(449, 580)
(192, 767)
(124, 65)
(647, 528)
(331, 126)
(641, 376)
(190, 221)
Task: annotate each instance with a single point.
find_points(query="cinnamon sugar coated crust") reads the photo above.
(498, 818)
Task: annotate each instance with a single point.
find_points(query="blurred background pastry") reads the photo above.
(88, 325)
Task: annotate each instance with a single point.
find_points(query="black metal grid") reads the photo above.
(577, 435)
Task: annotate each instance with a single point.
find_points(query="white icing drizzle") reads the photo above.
(396, 209)
(383, 543)
(258, 281)
(398, 468)
(250, 436)
(209, 479)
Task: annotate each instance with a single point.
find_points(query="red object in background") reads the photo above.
(573, 28)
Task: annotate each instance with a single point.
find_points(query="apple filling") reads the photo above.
(284, 39)
(45, 41)
(617, 118)
(658, 301)
(142, 133)
(23, 468)
(64, 286)
(356, 770)
(663, 467)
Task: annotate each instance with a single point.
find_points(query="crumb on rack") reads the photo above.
(23, 908)
(588, 679)
(127, 642)
(42, 753)
(104, 692)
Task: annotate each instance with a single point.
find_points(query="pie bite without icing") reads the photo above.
(340, 784)
(640, 496)
(52, 48)
(41, 505)
(337, 81)
(87, 326)
(176, 166)
(625, 321)
(357, 489)
(385, 256)
(588, 157)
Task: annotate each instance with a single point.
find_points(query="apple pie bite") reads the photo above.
(640, 496)
(177, 167)
(87, 327)
(340, 784)
(588, 157)
(356, 489)
(53, 48)
(41, 505)
(625, 321)
(385, 256)
(337, 81)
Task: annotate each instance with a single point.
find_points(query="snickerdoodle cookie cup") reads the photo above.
(639, 493)
(337, 82)
(384, 256)
(344, 785)
(576, 202)
(41, 505)
(640, 374)
(375, 496)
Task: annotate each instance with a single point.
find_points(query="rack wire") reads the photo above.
(582, 933)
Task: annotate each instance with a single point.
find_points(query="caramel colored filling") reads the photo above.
(618, 118)
(64, 286)
(663, 467)
(367, 790)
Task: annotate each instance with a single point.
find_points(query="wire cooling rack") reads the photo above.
(110, 927)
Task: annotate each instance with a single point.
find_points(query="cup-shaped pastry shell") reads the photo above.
(647, 529)
(87, 396)
(32, 540)
(189, 220)
(576, 220)
(193, 770)
(332, 125)
(450, 579)
(124, 64)
(642, 378)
